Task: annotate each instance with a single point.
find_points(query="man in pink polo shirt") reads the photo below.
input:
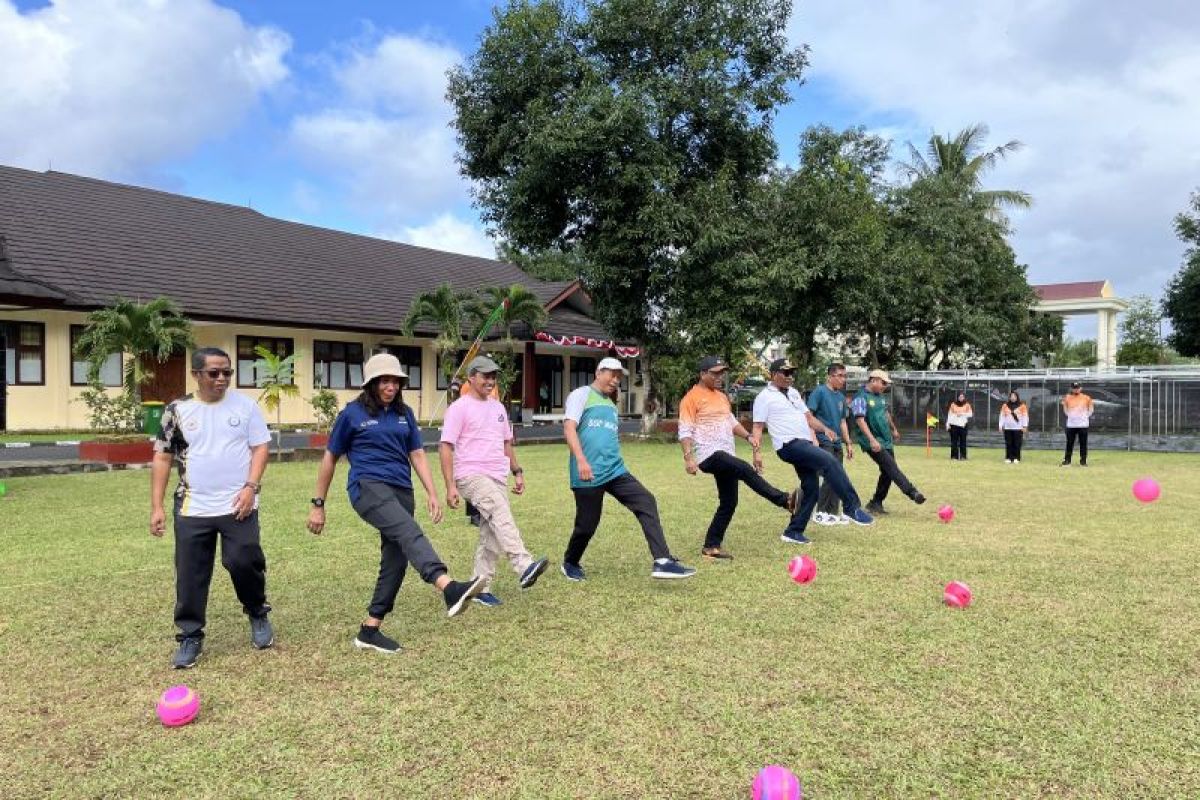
(477, 454)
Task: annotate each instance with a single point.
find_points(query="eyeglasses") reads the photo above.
(213, 374)
(788, 372)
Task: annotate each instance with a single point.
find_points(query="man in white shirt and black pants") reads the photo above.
(220, 440)
(783, 412)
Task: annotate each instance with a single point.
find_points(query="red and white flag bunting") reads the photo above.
(585, 341)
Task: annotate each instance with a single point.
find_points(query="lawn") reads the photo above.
(1076, 673)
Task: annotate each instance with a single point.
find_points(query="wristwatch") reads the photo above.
(255, 486)
(518, 471)
(318, 502)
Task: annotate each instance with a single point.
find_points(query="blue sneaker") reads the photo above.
(861, 517)
(574, 572)
(799, 538)
(533, 572)
(668, 568)
(487, 599)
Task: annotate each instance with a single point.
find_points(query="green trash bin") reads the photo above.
(152, 412)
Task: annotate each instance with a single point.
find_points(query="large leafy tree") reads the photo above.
(962, 160)
(1181, 303)
(149, 332)
(616, 129)
(445, 309)
(1141, 334)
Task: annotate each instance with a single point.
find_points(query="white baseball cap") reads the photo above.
(611, 363)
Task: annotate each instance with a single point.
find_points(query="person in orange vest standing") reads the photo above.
(1079, 409)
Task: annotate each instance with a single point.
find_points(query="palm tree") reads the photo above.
(149, 332)
(275, 375)
(445, 308)
(519, 306)
(963, 159)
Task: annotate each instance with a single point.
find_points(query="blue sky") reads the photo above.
(331, 113)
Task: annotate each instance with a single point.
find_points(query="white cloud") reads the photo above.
(1101, 93)
(386, 139)
(115, 87)
(448, 233)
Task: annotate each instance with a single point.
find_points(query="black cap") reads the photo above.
(1075, 384)
(711, 362)
(781, 364)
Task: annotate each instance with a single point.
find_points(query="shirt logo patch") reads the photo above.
(366, 423)
(191, 425)
(500, 418)
(871, 403)
(235, 421)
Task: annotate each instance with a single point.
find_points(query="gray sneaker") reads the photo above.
(262, 635)
(189, 650)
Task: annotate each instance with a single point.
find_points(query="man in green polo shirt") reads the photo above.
(876, 434)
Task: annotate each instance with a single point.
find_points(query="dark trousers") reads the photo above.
(958, 442)
(195, 551)
(729, 471)
(1072, 435)
(1012, 444)
(811, 464)
(889, 473)
(828, 501)
(543, 405)
(589, 503)
(401, 540)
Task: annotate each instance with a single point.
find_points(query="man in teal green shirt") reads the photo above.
(876, 434)
(597, 468)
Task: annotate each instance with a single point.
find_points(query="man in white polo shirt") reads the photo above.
(782, 411)
(220, 440)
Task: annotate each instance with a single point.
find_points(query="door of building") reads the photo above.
(169, 381)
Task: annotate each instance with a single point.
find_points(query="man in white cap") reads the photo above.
(876, 434)
(477, 455)
(596, 469)
(378, 434)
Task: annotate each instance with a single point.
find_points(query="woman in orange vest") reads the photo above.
(1014, 421)
(957, 417)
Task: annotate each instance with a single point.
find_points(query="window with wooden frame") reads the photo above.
(246, 376)
(24, 353)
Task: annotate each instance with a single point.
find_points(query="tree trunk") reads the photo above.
(650, 406)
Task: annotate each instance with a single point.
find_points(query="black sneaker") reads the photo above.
(457, 593)
(1065, 464)
(876, 508)
(573, 572)
(917, 497)
(373, 639)
(262, 635)
(533, 572)
(189, 650)
(669, 568)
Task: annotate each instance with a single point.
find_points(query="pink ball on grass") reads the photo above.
(957, 594)
(1146, 490)
(178, 705)
(802, 569)
(946, 513)
(776, 783)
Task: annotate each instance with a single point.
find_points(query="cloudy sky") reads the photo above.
(332, 113)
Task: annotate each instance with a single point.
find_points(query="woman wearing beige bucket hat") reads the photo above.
(379, 435)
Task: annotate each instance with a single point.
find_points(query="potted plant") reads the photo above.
(118, 417)
(148, 333)
(324, 403)
(275, 375)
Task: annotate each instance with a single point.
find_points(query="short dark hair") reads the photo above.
(199, 357)
(834, 367)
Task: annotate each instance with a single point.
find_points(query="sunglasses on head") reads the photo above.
(213, 374)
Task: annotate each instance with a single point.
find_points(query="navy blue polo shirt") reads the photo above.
(377, 447)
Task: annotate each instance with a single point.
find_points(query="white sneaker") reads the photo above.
(842, 519)
(1008, 461)
(826, 519)
(1016, 461)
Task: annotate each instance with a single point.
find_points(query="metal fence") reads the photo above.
(1136, 408)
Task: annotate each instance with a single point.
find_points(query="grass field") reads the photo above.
(1076, 673)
